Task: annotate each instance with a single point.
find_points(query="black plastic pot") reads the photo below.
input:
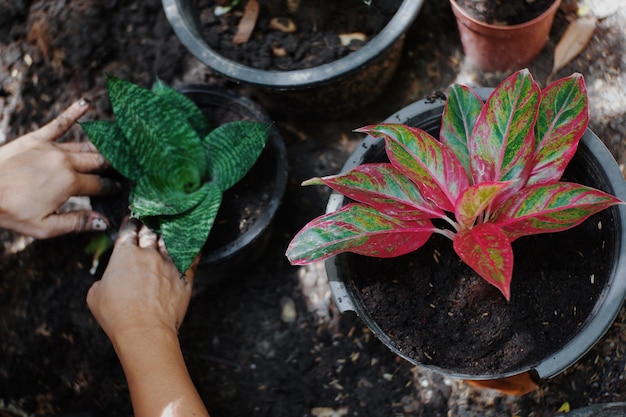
(230, 249)
(331, 89)
(594, 165)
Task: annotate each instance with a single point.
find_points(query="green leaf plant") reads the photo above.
(492, 177)
(177, 164)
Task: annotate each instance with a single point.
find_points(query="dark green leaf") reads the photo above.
(232, 149)
(174, 98)
(146, 199)
(109, 139)
(184, 235)
(155, 130)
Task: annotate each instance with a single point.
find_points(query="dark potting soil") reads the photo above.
(438, 312)
(315, 40)
(505, 12)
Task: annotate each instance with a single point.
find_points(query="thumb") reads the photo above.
(75, 222)
(92, 295)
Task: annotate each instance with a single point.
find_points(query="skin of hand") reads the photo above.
(140, 303)
(38, 175)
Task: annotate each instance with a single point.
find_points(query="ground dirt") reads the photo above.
(269, 342)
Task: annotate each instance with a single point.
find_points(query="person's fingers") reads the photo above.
(87, 161)
(128, 232)
(80, 147)
(163, 249)
(61, 124)
(191, 272)
(92, 184)
(74, 221)
(188, 277)
(91, 294)
(147, 238)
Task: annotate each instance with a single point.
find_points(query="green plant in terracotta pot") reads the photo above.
(491, 178)
(178, 165)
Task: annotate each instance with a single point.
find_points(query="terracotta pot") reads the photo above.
(354, 278)
(328, 90)
(498, 47)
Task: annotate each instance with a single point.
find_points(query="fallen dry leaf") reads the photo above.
(283, 24)
(574, 41)
(347, 38)
(247, 22)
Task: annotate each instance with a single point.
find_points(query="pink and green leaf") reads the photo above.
(383, 187)
(502, 143)
(475, 200)
(428, 163)
(561, 122)
(459, 116)
(548, 208)
(487, 250)
(359, 229)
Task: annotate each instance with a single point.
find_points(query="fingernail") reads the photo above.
(98, 223)
(83, 102)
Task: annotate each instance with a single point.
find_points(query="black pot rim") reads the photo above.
(187, 27)
(276, 144)
(607, 307)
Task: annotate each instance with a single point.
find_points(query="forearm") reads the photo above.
(157, 376)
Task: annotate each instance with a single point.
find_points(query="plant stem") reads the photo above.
(445, 232)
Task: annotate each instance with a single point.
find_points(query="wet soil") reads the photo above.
(269, 342)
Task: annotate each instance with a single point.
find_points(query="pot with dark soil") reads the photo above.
(499, 35)
(512, 165)
(302, 57)
(218, 179)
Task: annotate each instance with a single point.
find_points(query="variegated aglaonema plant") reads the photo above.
(493, 176)
(179, 166)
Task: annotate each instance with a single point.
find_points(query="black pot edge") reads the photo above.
(607, 307)
(275, 145)
(186, 26)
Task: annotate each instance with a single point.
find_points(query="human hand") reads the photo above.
(38, 175)
(140, 302)
(141, 290)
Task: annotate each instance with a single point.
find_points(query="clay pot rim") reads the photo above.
(186, 26)
(471, 21)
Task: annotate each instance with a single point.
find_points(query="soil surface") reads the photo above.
(464, 324)
(505, 12)
(304, 35)
(268, 342)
